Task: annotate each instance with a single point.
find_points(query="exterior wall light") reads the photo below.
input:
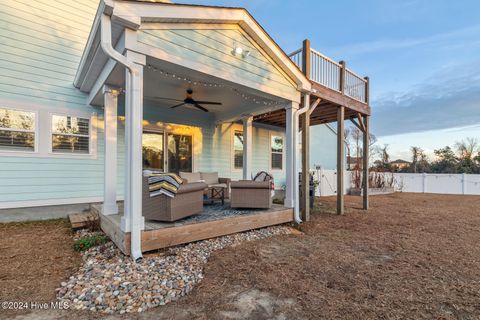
(238, 51)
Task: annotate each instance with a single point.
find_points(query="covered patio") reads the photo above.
(147, 73)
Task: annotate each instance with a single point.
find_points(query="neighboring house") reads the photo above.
(399, 164)
(87, 90)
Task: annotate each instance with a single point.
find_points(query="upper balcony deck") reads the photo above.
(333, 83)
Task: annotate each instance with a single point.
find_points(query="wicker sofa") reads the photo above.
(188, 201)
(210, 178)
(251, 194)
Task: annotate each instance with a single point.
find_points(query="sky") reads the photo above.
(422, 57)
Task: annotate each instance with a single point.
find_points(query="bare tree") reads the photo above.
(467, 148)
(416, 153)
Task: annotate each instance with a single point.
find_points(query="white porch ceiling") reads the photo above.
(165, 80)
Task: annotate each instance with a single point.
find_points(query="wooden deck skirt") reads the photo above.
(159, 235)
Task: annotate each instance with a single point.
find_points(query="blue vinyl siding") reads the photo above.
(323, 147)
(213, 48)
(40, 48)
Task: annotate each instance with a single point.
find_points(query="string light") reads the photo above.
(243, 95)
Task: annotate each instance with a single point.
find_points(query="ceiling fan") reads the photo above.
(190, 101)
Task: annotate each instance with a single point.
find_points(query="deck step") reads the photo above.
(83, 220)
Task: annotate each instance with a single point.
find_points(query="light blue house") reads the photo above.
(87, 90)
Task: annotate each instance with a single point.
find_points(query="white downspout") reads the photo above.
(296, 186)
(106, 44)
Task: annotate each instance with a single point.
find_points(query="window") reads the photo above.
(70, 134)
(17, 130)
(153, 150)
(276, 152)
(238, 150)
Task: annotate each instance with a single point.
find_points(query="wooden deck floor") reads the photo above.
(215, 221)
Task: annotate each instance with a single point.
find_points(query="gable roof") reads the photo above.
(131, 14)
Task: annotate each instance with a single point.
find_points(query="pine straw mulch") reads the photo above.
(35, 258)
(411, 256)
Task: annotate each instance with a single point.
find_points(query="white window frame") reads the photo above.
(92, 134)
(235, 130)
(270, 152)
(36, 131)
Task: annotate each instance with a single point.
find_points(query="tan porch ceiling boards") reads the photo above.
(325, 112)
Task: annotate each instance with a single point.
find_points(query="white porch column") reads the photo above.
(133, 143)
(291, 192)
(247, 148)
(110, 149)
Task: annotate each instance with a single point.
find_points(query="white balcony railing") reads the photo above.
(328, 73)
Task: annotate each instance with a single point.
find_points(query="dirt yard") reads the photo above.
(35, 258)
(411, 256)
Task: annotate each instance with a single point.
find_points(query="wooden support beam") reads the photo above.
(366, 151)
(367, 90)
(360, 122)
(305, 123)
(340, 158)
(343, 68)
(306, 58)
(339, 99)
(313, 106)
(356, 124)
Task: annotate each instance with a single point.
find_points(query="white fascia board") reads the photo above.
(87, 56)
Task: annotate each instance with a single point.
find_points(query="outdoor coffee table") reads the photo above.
(215, 193)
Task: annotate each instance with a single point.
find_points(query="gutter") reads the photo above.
(106, 44)
(296, 186)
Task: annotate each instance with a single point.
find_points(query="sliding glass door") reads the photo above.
(179, 153)
(174, 153)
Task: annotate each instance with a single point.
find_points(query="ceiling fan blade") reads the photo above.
(209, 102)
(200, 107)
(162, 98)
(178, 105)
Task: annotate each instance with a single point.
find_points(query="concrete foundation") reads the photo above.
(41, 213)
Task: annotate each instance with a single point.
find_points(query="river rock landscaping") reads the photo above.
(111, 282)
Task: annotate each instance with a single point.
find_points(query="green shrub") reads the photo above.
(85, 243)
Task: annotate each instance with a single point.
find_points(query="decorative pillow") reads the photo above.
(190, 176)
(210, 177)
(148, 172)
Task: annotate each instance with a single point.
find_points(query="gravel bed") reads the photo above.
(110, 282)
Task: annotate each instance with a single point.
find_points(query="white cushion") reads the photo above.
(210, 177)
(190, 176)
(217, 185)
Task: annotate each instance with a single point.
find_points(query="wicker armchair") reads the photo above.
(250, 194)
(188, 201)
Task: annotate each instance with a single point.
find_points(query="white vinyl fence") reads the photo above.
(468, 184)
(327, 182)
(438, 183)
